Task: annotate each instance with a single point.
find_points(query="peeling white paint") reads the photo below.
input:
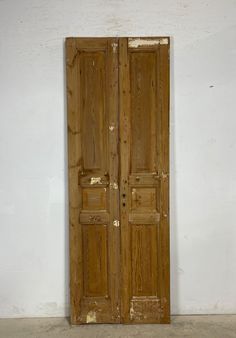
(131, 312)
(91, 317)
(135, 43)
(116, 223)
(114, 47)
(95, 180)
(114, 185)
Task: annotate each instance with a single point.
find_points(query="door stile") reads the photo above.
(164, 238)
(124, 109)
(113, 157)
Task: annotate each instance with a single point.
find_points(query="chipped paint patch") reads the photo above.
(114, 46)
(91, 317)
(164, 175)
(135, 43)
(116, 223)
(111, 128)
(131, 312)
(114, 185)
(95, 180)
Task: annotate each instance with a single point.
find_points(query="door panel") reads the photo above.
(118, 154)
(144, 260)
(142, 110)
(92, 95)
(93, 109)
(144, 160)
(95, 261)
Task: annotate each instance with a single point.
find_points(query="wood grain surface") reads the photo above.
(118, 158)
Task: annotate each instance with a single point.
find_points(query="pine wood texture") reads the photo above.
(118, 154)
(144, 163)
(92, 95)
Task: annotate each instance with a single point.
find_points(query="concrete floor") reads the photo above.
(182, 326)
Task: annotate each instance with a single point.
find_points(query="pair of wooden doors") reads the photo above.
(118, 144)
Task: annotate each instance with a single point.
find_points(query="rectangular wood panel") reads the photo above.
(144, 260)
(94, 199)
(143, 199)
(95, 260)
(92, 101)
(143, 110)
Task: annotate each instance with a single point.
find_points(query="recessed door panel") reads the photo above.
(143, 199)
(93, 109)
(144, 260)
(95, 260)
(143, 108)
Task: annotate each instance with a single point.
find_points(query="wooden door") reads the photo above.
(144, 163)
(118, 179)
(92, 96)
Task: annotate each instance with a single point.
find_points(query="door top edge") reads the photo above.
(115, 37)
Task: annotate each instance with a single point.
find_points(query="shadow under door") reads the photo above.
(118, 149)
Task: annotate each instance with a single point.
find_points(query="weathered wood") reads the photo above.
(92, 78)
(74, 165)
(164, 250)
(124, 111)
(118, 158)
(144, 116)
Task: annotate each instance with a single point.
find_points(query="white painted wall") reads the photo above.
(33, 188)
